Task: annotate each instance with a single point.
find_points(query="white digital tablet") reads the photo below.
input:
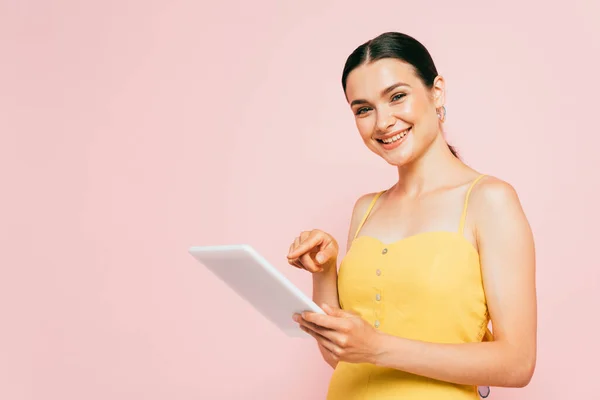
(253, 278)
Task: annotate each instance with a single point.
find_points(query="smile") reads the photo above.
(397, 137)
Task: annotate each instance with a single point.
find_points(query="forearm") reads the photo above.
(325, 291)
(325, 286)
(483, 364)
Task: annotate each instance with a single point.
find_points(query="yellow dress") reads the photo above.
(424, 287)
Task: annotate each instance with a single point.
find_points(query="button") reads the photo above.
(378, 272)
(377, 297)
(376, 324)
(384, 251)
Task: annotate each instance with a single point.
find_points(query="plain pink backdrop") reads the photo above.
(131, 130)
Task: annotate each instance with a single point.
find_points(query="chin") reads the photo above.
(398, 161)
(399, 157)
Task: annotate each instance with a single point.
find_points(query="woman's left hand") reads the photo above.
(347, 336)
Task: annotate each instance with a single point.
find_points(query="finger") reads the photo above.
(297, 264)
(294, 261)
(337, 341)
(326, 252)
(304, 235)
(336, 337)
(327, 321)
(312, 241)
(305, 261)
(314, 327)
(323, 341)
(291, 262)
(292, 247)
(326, 352)
(336, 311)
(296, 243)
(309, 264)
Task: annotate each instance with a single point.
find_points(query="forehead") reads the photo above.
(370, 79)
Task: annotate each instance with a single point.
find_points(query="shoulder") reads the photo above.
(495, 193)
(359, 210)
(496, 208)
(362, 204)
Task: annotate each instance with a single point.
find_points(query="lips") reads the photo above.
(394, 137)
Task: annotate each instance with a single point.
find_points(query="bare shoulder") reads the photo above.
(361, 205)
(493, 194)
(497, 208)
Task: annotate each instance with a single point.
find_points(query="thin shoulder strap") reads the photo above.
(463, 217)
(368, 212)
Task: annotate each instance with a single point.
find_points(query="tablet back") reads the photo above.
(253, 278)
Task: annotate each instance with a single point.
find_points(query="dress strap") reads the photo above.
(368, 212)
(463, 217)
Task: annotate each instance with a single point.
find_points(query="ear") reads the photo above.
(439, 91)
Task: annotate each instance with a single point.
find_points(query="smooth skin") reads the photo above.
(387, 96)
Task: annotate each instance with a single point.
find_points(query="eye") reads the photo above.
(362, 110)
(398, 96)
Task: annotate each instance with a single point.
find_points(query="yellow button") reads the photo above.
(384, 251)
(377, 297)
(376, 324)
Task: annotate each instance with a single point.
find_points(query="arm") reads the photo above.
(325, 289)
(508, 263)
(325, 284)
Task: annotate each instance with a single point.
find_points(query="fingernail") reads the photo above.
(320, 258)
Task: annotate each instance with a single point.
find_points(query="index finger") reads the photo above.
(326, 321)
(310, 243)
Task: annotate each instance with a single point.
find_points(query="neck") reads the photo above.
(434, 167)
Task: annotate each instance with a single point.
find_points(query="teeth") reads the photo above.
(395, 138)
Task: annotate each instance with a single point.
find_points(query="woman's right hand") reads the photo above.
(314, 251)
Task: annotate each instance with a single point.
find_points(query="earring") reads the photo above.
(441, 113)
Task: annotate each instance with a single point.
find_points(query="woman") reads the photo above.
(431, 260)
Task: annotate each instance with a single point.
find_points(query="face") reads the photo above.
(395, 113)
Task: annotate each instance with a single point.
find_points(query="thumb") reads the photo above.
(334, 311)
(325, 254)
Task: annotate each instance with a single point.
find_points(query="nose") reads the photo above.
(385, 119)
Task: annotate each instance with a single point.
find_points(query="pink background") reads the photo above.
(131, 130)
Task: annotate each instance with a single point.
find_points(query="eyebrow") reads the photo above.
(384, 92)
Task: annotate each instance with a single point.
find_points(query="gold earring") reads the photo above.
(442, 115)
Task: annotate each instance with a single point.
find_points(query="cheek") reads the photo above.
(365, 127)
(409, 110)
